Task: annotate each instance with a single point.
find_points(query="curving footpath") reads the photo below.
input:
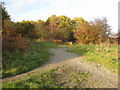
(101, 77)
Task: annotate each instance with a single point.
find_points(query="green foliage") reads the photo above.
(60, 77)
(8, 26)
(19, 62)
(78, 22)
(60, 27)
(66, 25)
(40, 30)
(5, 14)
(27, 29)
(101, 54)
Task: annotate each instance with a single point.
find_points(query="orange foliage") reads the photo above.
(13, 41)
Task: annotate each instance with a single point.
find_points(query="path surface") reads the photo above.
(101, 77)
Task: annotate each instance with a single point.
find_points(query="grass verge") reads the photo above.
(20, 62)
(60, 77)
(101, 54)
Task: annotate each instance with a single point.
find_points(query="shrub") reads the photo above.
(86, 34)
(13, 41)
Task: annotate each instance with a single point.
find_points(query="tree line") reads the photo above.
(78, 30)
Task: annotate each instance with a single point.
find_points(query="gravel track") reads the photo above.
(101, 77)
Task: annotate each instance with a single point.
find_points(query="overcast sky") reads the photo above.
(42, 9)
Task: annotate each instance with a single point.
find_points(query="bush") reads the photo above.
(13, 41)
(86, 34)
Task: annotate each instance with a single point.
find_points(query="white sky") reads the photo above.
(42, 9)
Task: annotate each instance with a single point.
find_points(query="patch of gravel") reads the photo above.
(101, 77)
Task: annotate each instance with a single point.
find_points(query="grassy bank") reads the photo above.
(101, 54)
(22, 61)
(61, 77)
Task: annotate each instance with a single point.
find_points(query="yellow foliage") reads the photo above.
(58, 41)
(68, 43)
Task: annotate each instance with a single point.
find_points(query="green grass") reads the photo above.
(20, 62)
(101, 54)
(60, 77)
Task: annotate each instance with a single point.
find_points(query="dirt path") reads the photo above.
(101, 77)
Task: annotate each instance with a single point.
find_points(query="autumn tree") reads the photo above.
(40, 30)
(86, 34)
(102, 28)
(53, 28)
(96, 31)
(82, 30)
(66, 25)
(79, 21)
(26, 28)
(52, 21)
(11, 40)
